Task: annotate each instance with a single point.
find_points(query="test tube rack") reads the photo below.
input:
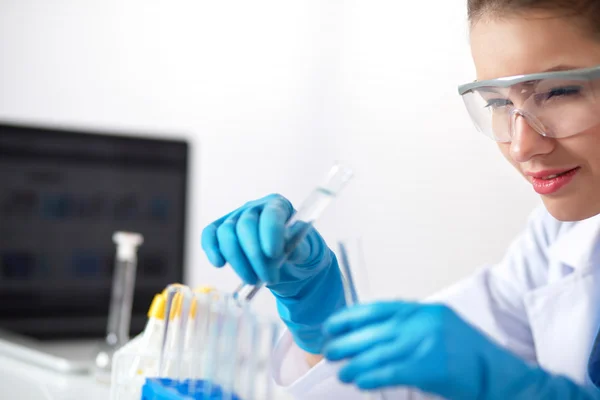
(198, 344)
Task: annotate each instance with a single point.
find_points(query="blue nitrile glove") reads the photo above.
(429, 347)
(308, 286)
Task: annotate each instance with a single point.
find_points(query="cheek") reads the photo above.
(592, 149)
(584, 149)
(505, 150)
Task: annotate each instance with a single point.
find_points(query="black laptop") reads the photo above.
(63, 193)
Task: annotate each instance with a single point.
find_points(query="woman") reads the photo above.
(522, 329)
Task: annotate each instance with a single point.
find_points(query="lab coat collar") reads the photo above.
(580, 245)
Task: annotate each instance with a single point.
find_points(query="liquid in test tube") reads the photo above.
(301, 222)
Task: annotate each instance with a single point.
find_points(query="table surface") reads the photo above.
(23, 381)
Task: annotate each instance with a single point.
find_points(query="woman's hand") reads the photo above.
(306, 283)
(429, 347)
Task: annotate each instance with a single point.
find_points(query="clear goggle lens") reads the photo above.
(555, 108)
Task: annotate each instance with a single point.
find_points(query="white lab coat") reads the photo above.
(542, 302)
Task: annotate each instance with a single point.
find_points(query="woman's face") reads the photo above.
(531, 43)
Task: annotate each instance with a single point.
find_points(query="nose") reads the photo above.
(526, 142)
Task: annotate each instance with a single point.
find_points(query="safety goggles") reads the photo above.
(555, 104)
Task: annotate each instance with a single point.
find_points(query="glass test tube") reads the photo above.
(248, 356)
(301, 222)
(119, 317)
(212, 359)
(272, 335)
(178, 303)
(352, 265)
(229, 348)
(198, 342)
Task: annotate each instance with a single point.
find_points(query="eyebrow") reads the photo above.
(561, 67)
(556, 68)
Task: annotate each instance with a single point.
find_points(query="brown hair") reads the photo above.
(586, 11)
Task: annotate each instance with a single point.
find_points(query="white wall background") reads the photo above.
(271, 92)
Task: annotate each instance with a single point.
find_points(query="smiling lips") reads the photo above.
(551, 181)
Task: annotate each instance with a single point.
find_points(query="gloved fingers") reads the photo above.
(388, 375)
(374, 358)
(247, 229)
(355, 317)
(419, 357)
(360, 341)
(210, 242)
(414, 368)
(271, 228)
(232, 251)
(403, 342)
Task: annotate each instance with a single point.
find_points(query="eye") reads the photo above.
(563, 91)
(495, 104)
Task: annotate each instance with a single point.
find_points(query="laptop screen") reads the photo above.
(62, 196)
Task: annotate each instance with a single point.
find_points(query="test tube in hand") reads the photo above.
(300, 223)
(119, 317)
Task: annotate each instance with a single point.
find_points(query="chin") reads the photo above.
(570, 211)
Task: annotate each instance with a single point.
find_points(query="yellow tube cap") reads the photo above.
(176, 305)
(157, 307)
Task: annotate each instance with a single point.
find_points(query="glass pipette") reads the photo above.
(301, 222)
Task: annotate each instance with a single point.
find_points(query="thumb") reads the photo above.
(301, 254)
